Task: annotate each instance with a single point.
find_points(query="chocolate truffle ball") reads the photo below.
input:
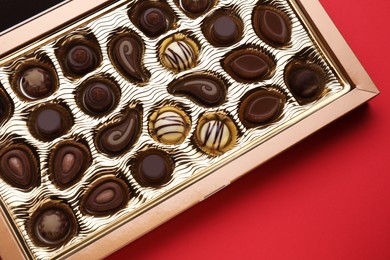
(153, 21)
(36, 82)
(98, 97)
(81, 59)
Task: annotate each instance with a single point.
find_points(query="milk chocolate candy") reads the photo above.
(6, 106)
(195, 8)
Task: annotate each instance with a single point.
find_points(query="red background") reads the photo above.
(326, 198)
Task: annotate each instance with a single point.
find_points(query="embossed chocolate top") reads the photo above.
(81, 59)
(98, 97)
(37, 82)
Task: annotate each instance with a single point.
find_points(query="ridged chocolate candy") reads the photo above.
(106, 197)
(19, 167)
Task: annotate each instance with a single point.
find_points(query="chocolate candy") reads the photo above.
(53, 225)
(98, 97)
(178, 53)
(152, 168)
(127, 54)
(169, 125)
(118, 136)
(215, 133)
(261, 107)
(36, 82)
(68, 162)
(81, 59)
(203, 89)
(19, 167)
(5, 106)
(50, 121)
(105, 197)
(305, 80)
(195, 8)
(272, 26)
(223, 29)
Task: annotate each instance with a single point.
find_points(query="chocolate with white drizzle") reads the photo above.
(118, 136)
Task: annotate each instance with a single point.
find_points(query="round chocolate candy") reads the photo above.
(68, 162)
(178, 53)
(19, 167)
(248, 65)
(116, 137)
(261, 107)
(36, 82)
(153, 168)
(306, 81)
(216, 133)
(223, 29)
(53, 225)
(81, 59)
(127, 53)
(272, 26)
(203, 89)
(196, 7)
(105, 197)
(169, 125)
(49, 122)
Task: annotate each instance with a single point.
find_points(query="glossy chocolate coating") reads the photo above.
(52, 226)
(81, 59)
(272, 26)
(5, 106)
(98, 97)
(223, 29)
(106, 197)
(68, 163)
(248, 66)
(36, 82)
(203, 89)
(19, 167)
(153, 168)
(153, 21)
(306, 82)
(261, 107)
(117, 137)
(196, 7)
(127, 52)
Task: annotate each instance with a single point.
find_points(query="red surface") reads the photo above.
(326, 198)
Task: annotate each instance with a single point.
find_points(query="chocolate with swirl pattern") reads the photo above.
(115, 138)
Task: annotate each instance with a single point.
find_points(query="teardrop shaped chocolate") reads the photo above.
(127, 53)
(203, 89)
(117, 137)
(105, 197)
(261, 107)
(68, 162)
(19, 167)
(272, 26)
(248, 66)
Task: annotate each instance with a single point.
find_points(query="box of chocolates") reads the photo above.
(119, 115)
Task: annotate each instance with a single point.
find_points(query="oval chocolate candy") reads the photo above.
(117, 137)
(68, 162)
(127, 52)
(19, 167)
(261, 107)
(203, 89)
(248, 66)
(106, 197)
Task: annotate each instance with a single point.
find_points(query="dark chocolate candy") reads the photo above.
(272, 26)
(153, 21)
(5, 106)
(248, 66)
(98, 97)
(127, 53)
(223, 29)
(19, 167)
(196, 7)
(203, 89)
(36, 82)
(53, 225)
(49, 122)
(261, 107)
(117, 137)
(81, 59)
(306, 81)
(106, 197)
(68, 162)
(153, 168)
